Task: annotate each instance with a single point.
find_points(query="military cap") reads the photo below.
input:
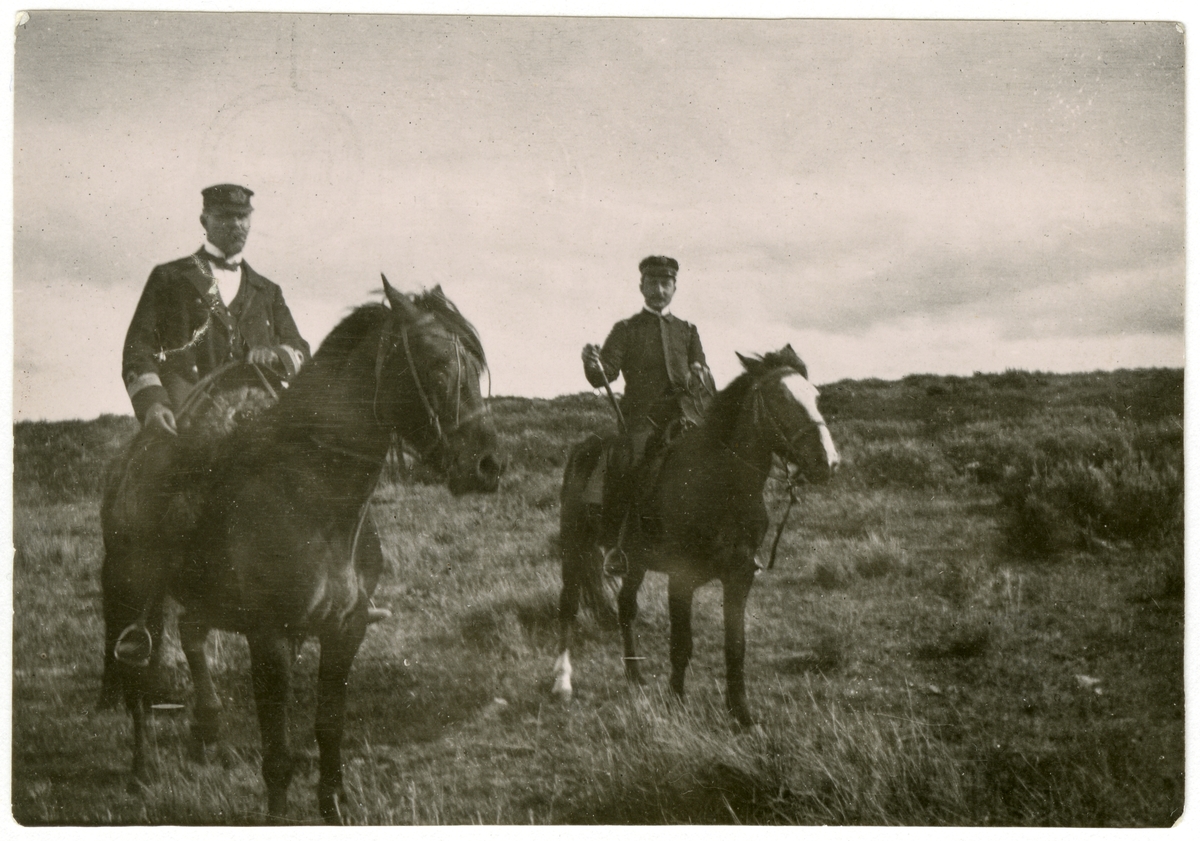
(664, 266)
(229, 197)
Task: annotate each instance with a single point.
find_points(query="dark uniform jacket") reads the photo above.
(654, 354)
(181, 331)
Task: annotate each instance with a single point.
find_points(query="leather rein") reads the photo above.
(793, 485)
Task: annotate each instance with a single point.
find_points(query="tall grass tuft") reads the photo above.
(812, 763)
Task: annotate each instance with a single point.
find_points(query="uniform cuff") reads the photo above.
(147, 397)
(292, 359)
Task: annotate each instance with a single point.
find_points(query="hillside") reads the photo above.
(979, 622)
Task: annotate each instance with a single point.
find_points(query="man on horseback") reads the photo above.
(195, 315)
(204, 310)
(667, 384)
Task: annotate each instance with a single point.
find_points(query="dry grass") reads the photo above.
(906, 666)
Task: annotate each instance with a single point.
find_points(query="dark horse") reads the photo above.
(702, 517)
(273, 538)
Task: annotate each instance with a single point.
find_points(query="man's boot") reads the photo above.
(616, 562)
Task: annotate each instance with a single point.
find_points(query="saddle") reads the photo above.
(154, 486)
(692, 401)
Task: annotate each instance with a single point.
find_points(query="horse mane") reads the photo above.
(438, 305)
(722, 415)
(349, 333)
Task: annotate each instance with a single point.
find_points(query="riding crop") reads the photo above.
(611, 397)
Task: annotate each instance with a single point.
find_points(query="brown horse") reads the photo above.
(270, 535)
(701, 518)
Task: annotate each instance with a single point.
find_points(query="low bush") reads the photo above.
(904, 463)
(1121, 494)
(64, 461)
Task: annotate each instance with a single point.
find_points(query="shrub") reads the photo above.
(904, 463)
(64, 461)
(1058, 501)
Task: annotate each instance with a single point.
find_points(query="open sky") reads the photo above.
(891, 197)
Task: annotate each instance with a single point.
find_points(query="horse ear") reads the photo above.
(747, 362)
(795, 359)
(398, 301)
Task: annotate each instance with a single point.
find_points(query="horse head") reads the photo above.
(434, 360)
(786, 410)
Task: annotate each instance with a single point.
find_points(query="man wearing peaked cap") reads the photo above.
(195, 314)
(204, 310)
(667, 383)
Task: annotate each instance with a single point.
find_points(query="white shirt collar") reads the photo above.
(216, 252)
(665, 311)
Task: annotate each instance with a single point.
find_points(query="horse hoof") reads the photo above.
(331, 808)
(563, 696)
(743, 718)
(277, 806)
(633, 672)
(139, 784)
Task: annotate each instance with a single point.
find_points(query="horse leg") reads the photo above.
(206, 714)
(736, 589)
(271, 672)
(568, 608)
(338, 649)
(627, 609)
(679, 608)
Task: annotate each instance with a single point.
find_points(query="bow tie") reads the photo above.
(223, 264)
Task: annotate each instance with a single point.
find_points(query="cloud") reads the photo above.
(1000, 189)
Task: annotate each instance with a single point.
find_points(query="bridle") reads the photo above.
(388, 343)
(794, 480)
(760, 408)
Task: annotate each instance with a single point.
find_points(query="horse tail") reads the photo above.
(579, 529)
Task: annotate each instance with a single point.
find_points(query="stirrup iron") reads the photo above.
(130, 650)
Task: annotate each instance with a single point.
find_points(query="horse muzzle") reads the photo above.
(480, 475)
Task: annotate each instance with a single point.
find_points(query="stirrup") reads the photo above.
(616, 562)
(134, 646)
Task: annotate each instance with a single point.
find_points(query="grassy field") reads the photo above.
(979, 623)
